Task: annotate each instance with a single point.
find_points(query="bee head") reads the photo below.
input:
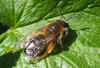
(31, 49)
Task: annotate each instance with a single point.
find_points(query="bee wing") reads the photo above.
(22, 42)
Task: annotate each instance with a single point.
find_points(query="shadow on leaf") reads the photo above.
(3, 28)
(9, 60)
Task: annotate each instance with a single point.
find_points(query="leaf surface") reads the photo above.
(25, 16)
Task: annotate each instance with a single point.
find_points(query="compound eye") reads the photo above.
(36, 49)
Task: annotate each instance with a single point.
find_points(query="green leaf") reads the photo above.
(82, 48)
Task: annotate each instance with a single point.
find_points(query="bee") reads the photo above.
(43, 40)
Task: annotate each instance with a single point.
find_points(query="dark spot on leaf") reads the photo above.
(3, 28)
(9, 60)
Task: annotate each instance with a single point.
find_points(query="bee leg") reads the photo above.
(49, 50)
(60, 41)
(65, 31)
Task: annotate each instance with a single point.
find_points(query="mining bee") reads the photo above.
(45, 39)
